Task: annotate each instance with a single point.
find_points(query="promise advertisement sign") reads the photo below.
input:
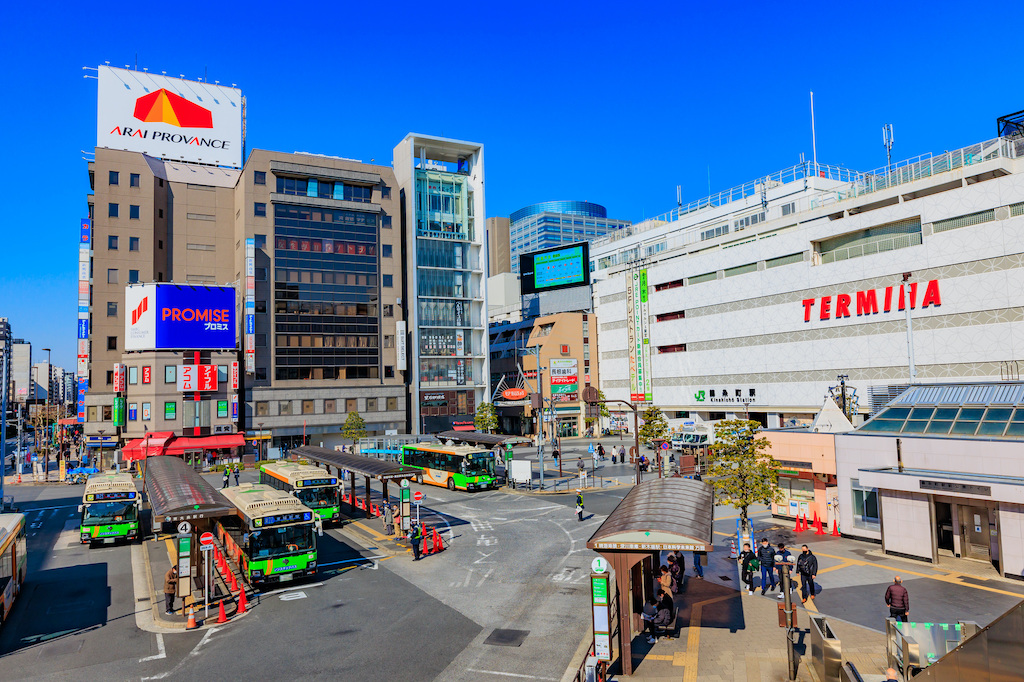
(170, 118)
(179, 317)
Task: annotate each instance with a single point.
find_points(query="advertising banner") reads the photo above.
(638, 336)
(176, 317)
(169, 118)
(193, 378)
(83, 387)
(119, 411)
(250, 306)
(400, 344)
(120, 374)
(564, 388)
(460, 372)
(85, 235)
(147, 374)
(83, 329)
(234, 376)
(563, 367)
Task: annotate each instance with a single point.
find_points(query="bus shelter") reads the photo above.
(667, 514)
(176, 492)
(357, 465)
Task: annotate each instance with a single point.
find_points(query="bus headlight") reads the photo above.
(257, 574)
(86, 537)
(311, 566)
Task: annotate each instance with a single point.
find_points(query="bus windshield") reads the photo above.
(480, 464)
(271, 542)
(318, 498)
(100, 513)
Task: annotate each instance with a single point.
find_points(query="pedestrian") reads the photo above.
(783, 570)
(170, 587)
(600, 451)
(236, 474)
(898, 600)
(665, 580)
(415, 537)
(579, 504)
(807, 568)
(389, 519)
(748, 564)
(661, 618)
(698, 568)
(673, 568)
(890, 675)
(227, 478)
(766, 558)
(580, 467)
(555, 453)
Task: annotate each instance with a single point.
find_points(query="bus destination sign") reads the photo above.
(318, 481)
(280, 519)
(99, 497)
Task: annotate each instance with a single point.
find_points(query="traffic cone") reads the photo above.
(222, 617)
(191, 624)
(835, 529)
(797, 528)
(242, 603)
(438, 541)
(732, 550)
(233, 582)
(807, 526)
(818, 530)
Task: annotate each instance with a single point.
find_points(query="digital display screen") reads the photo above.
(280, 519)
(100, 497)
(557, 268)
(318, 481)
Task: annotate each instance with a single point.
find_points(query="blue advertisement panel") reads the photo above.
(83, 386)
(180, 317)
(86, 233)
(83, 329)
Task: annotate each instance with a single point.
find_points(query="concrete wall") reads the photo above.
(906, 523)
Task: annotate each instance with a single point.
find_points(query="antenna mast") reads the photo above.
(887, 143)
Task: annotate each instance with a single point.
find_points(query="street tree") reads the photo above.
(741, 470)
(354, 427)
(654, 426)
(486, 418)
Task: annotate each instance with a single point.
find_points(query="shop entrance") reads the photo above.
(568, 427)
(975, 529)
(944, 528)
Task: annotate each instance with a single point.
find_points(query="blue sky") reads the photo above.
(614, 103)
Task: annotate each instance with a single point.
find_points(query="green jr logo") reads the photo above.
(699, 396)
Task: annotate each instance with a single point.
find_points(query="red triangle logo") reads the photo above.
(164, 106)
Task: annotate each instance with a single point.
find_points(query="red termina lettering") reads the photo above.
(888, 300)
(843, 306)
(931, 294)
(867, 302)
(808, 304)
(826, 307)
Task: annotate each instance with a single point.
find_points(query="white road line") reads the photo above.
(194, 652)
(351, 561)
(161, 651)
(497, 672)
(288, 589)
(486, 576)
(63, 506)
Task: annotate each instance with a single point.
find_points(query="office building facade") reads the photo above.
(553, 223)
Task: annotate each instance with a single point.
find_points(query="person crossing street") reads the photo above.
(766, 558)
(807, 567)
(227, 477)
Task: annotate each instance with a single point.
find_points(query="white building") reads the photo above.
(757, 298)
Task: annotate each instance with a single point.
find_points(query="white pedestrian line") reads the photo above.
(520, 675)
(161, 651)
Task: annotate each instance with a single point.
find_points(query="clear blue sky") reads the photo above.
(614, 103)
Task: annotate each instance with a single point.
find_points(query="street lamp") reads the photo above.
(46, 414)
(259, 445)
(102, 431)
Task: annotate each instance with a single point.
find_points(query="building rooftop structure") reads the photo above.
(976, 410)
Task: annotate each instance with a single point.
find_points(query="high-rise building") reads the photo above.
(553, 223)
(442, 184)
(499, 257)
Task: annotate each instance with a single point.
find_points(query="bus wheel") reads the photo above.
(451, 483)
(419, 478)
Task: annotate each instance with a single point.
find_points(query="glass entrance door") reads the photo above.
(974, 522)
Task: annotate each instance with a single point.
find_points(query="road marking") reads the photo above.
(161, 651)
(486, 576)
(292, 596)
(288, 589)
(194, 652)
(520, 675)
(368, 559)
(843, 564)
(36, 509)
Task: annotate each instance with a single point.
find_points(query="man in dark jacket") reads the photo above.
(170, 588)
(661, 618)
(766, 555)
(898, 600)
(747, 575)
(807, 567)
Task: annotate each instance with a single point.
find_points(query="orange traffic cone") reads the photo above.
(798, 528)
(438, 541)
(191, 624)
(242, 603)
(835, 529)
(233, 583)
(222, 617)
(807, 526)
(818, 530)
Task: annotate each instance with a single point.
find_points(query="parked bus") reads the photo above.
(313, 486)
(275, 533)
(13, 560)
(110, 509)
(456, 466)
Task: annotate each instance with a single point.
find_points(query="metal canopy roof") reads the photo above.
(178, 493)
(380, 469)
(994, 410)
(666, 513)
(479, 438)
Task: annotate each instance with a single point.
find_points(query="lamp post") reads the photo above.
(46, 415)
(102, 431)
(790, 616)
(259, 445)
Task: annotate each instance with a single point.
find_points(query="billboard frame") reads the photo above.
(527, 274)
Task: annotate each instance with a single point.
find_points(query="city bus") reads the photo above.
(456, 466)
(110, 509)
(273, 534)
(13, 560)
(313, 486)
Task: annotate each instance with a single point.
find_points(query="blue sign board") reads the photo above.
(83, 386)
(174, 317)
(86, 233)
(133, 412)
(250, 324)
(83, 329)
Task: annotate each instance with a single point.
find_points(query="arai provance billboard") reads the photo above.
(171, 118)
(179, 317)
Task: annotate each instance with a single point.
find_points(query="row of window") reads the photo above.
(114, 211)
(330, 373)
(327, 189)
(195, 413)
(326, 406)
(115, 179)
(113, 241)
(112, 276)
(144, 374)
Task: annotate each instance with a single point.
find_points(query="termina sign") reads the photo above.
(872, 301)
(179, 317)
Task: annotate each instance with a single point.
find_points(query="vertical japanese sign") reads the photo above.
(638, 326)
(645, 340)
(84, 298)
(250, 306)
(602, 611)
(83, 386)
(120, 375)
(400, 344)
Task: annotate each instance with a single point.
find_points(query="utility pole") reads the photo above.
(887, 140)
(910, 326)
(842, 393)
(46, 415)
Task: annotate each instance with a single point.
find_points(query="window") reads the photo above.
(389, 311)
(133, 277)
(160, 181)
(108, 412)
(385, 221)
(389, 341)
(714, 232)
(111, 343)
(668, 285)
(259, 241)
(133, 375)
(675, 315)
(261, 373)
(133, 411)
(133, 212)
(673, 348)
(112, 243)
(222, 374)
(351, 405)
(259, 209)
(389, 280)
(110, 377)
(360, 194)
(392, 404)
(262, 408)
(865, 505)
(160, 214)
(261, 340)
(222, 409)
(113, 178)
(91, 411)
(748, 221)
(261, 274)
(385, 250)
(170, 374)
(330, 405)
(261, 306)
(389, 372)
(170, 410)
(112, 276)
(789, 208)
(284, 407)
(133, 180)
(133, 243)
(371, 404)
(112, 210)
(385, 192)
(111, 308)
(259, 177)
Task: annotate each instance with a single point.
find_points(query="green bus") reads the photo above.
(13, 560)
(110, 509)
(272, 534)
(314, 487)
(460, 467)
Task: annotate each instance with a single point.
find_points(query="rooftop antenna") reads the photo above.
(764, 193)
(814, 142)
(679, 196)
(887, 140)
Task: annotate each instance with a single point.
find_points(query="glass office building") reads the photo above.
(553, 223)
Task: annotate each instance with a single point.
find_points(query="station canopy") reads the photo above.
(660, 514)
(987, 411)
(479, 438)
(178, 493)
(380, 469)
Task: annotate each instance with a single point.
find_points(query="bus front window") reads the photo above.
(271, 542)
(481, 464)
(318, 498)
(101, 513)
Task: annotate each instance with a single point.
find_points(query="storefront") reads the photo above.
(807, 473)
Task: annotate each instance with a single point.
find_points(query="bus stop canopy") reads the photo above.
(370, 467)
(660, 514)
(178, 493)
(488, 440)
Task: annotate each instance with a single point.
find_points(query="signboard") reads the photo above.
(84, 300)
(83, 387)
(602, 613)
(557, 268)
(639, 337)
(206, 539)
(234, 375)
(400, 344)
(119, 410)
(169, 118)
(564, 377)
(120, 374)
(250, 305)
(147, 375)
(197, 378)
(177, 317)
(513, 393)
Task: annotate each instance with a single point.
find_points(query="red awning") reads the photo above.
(179, 445)
(140, 448)
(68, 422)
